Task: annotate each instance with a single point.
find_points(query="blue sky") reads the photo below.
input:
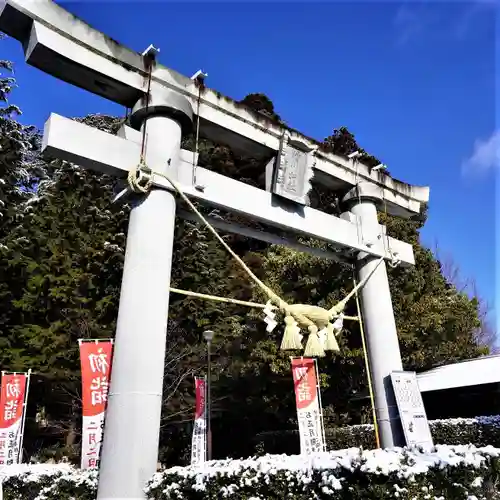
(414, 81)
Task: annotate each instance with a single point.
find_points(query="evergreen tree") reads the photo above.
(20, 171)
(20, 168)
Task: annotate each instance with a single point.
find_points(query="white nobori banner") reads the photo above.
(309, 412)
(199, 443)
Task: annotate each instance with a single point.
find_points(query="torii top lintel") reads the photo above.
(66, 47)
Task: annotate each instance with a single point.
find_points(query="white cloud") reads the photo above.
(485, 156)
(409, 24)
(416, 20)
(472, 12)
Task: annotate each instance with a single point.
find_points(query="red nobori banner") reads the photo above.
(12, 399)
(95, 359)
(199, 442)
(309, 415)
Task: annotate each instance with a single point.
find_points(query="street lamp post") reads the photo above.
(208, 335)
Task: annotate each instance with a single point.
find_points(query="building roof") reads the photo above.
(484, 370)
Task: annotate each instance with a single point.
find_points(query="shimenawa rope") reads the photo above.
(316, 319)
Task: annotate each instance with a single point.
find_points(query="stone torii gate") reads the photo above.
(58, 43)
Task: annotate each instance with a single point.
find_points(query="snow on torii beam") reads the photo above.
(62, 45)
(100, 151)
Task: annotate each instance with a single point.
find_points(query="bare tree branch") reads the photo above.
(486, 334)
(189, 410)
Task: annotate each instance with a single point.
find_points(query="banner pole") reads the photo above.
(318, 390)
(23, 423)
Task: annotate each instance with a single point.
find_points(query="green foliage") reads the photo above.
(342, 143)
(19, 166)
(61, 266)
(262, 104)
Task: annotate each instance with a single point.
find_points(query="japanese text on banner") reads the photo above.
(12, 398)
(199, 441)
(308, 408)
(95, 359)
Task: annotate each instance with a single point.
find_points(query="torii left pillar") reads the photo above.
(129, 454)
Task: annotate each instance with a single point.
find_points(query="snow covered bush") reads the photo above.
(48, 482)
(445, 473)
(462, 472)
(479, 431)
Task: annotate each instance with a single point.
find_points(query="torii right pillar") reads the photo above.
(382, 343)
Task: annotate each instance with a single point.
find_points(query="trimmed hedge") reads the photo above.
(479, 431)
(446, 473)
(48, 482)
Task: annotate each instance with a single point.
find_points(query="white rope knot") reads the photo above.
(140, 178)
(394, 262)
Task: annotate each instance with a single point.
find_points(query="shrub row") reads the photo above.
(480, 431)
(464, 472)
(48, 482)
(451, 473)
